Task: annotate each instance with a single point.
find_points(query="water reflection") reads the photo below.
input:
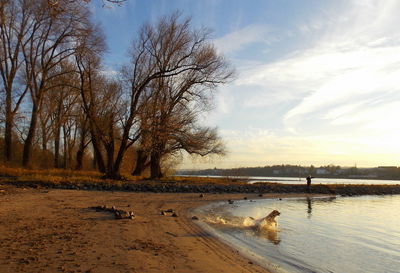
(311, 200)
(271, 235)
(309, 206)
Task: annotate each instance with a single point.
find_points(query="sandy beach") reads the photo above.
(45, 230)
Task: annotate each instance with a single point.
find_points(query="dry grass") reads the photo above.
(56, 176)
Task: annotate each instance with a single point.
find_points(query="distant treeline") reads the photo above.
(384, 172)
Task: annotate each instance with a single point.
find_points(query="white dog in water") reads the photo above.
(265, 223)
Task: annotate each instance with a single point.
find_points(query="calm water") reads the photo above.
(302, 180)
(344, 234)
(317, 180)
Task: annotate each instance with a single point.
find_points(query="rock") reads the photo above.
(230, 201)
(195, 218)
(201, 195)
(169, 210)
(118, 215)
(260, 195)
(121, 214)
(174, 214)
(163, 213)
(245, 198)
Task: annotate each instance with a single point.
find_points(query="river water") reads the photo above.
(302, 180)
(343, 234)
(318, 180)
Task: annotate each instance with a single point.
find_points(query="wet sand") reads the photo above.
(55, 231)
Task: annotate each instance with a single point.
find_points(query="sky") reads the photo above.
(318, 82)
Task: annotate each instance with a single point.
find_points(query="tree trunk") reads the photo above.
(45, 155)
(141, 158)
(82, 146)
(8, 129)
(65, 152)
(94, 161)
(44, 139)
(79, 158)
(155, 166)
(112, 167)
(70, 155)
(97, 155)
(57, 147)
(80, 153)
(28, 145)
(123, 144)
(111, 172)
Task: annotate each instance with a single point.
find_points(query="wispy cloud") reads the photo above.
(356, 61)
(242, 37)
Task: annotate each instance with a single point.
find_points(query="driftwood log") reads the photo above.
(118, 213)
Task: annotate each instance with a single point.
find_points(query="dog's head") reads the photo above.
(273, 214)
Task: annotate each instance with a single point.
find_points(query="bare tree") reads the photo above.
(15, 24)
(54, 39)
(170, 121)
(60, 105)
(169, 49)
(91, 83)
(171, 104)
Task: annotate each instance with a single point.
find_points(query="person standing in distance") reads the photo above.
(309, 183)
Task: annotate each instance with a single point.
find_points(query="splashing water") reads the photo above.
(220, 218)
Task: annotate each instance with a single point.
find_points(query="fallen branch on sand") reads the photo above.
(119, 213)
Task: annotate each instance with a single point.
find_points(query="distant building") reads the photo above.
(276, 172)
(321, 171)
(340, 171)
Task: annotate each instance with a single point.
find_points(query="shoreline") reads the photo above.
(188, 186)
(56, 231)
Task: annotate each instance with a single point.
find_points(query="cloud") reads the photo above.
(356, 60)
(239, 39)
(109, 72)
